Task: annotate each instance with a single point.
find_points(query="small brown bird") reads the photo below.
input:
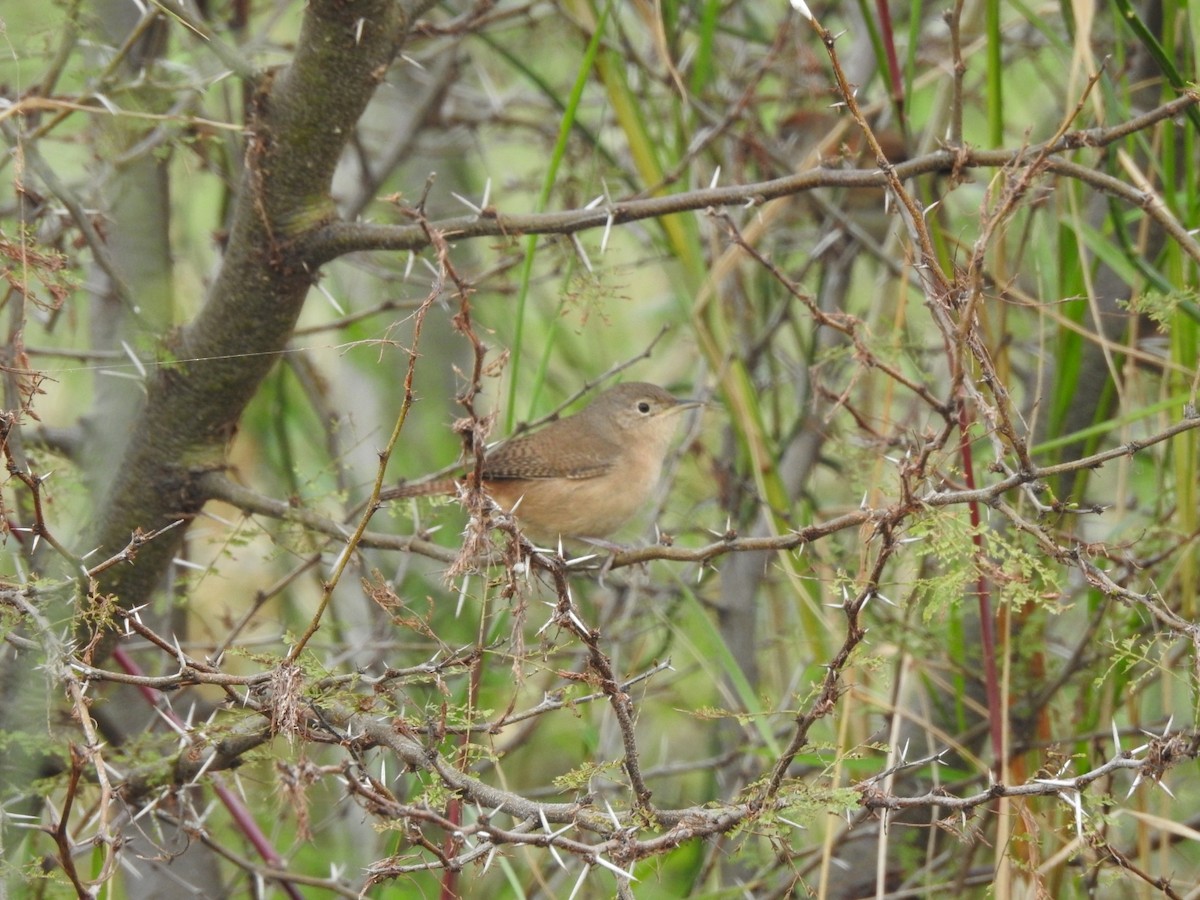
(583, 476)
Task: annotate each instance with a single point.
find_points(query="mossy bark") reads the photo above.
(301, 119)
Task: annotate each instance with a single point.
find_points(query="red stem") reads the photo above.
(232, 802)
(987, 633)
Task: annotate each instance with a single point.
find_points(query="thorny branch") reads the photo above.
(339, 238)
(944, 495)
(623, 836)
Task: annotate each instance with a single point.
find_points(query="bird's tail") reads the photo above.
(427, 488)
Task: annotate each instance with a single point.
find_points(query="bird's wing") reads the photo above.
(525, 458)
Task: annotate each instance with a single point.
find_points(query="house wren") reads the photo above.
(583, 476)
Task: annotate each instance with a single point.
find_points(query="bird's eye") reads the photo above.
(643, 406)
